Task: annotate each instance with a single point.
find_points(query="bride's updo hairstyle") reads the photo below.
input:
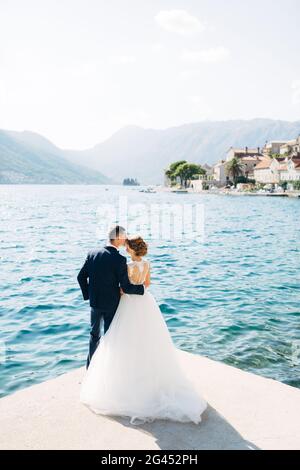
(137, 244)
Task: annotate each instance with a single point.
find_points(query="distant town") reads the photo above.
(273, 168)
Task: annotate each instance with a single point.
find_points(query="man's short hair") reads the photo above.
(115, 232)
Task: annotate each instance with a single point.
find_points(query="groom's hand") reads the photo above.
(121, 291)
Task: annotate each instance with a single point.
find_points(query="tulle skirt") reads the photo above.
(136, 372)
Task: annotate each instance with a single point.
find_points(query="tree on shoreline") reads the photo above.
(235, 169)
(170, 172)
(184, 171)
(130, 182)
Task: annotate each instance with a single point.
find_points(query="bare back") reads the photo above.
(138, 271)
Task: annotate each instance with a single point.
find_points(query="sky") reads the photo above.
(76, 71)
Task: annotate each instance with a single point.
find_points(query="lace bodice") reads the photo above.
(137, 271)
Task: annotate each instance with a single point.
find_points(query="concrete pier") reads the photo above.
(245, 411)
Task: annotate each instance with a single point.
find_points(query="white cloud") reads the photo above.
(296, 92)
(217, 54)
(123, 60)
(179, 21)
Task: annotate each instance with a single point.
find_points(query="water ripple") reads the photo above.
(234, 298)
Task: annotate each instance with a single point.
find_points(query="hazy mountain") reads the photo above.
(140, 153)
(26, 157)
(132, 152)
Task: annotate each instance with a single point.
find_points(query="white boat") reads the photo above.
(148, 190)
(180, 191)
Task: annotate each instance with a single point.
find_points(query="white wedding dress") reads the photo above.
(135, 371)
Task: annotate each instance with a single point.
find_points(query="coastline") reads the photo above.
(290, 194)
(295, 195)
(245, 411)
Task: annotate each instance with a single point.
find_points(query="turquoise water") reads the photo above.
(235, 297)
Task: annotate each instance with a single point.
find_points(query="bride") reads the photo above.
(135, 371)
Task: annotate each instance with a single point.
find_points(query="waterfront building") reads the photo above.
(243, 153)
(273, 147)
(291, 148)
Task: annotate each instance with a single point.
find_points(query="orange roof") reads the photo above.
(264, 164)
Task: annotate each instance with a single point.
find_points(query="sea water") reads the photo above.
(233, 296)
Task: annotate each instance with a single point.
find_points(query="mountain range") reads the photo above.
(133, 152)
(28, 158)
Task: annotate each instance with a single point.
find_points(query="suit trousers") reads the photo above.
(98, 318)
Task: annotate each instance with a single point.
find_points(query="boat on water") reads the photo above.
(179, 191)
(149, 190)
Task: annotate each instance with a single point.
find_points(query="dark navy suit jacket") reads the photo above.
(101, 277)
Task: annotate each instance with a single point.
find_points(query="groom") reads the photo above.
(101, 277)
